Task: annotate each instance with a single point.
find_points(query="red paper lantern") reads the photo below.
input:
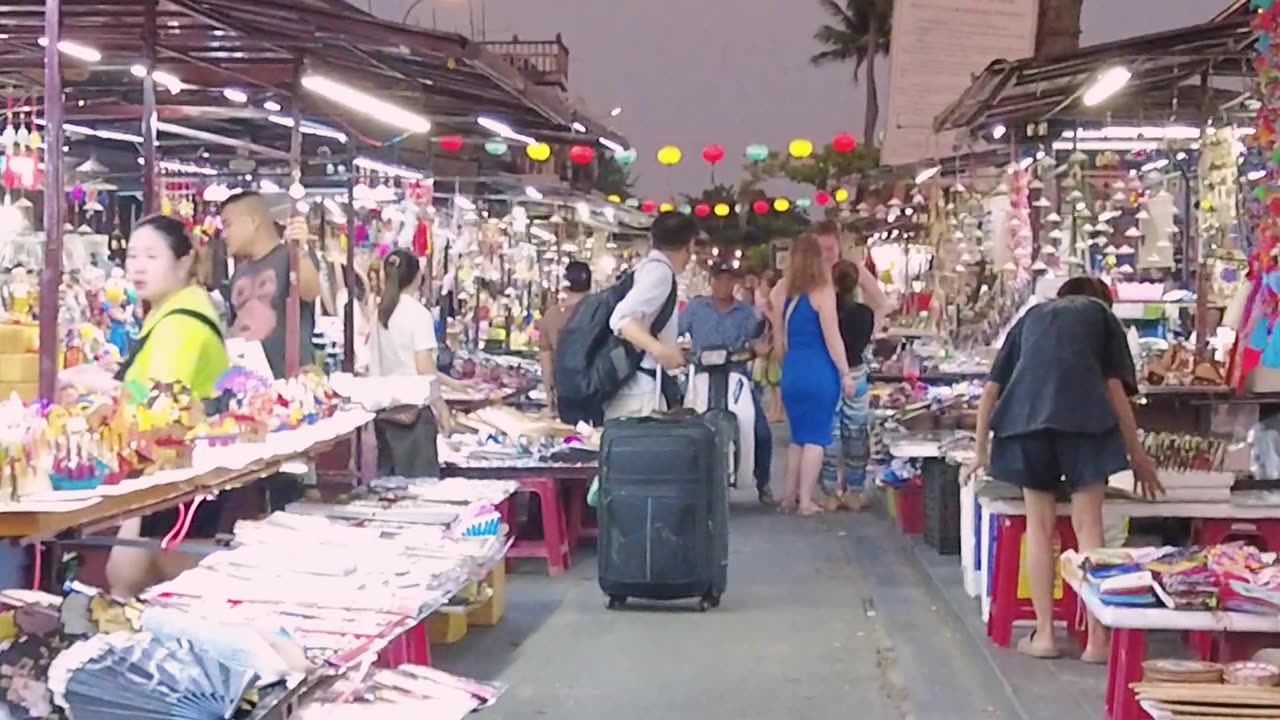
(1274, 205)
(844, 143)
(451, 143)
(582, 154)
(761, 207)
(648, 205)
(713, 154)
(702, 210)
(823, 198)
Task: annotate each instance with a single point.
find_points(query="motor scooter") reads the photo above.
(724, 398)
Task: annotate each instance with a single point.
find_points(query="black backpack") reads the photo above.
(591, 363)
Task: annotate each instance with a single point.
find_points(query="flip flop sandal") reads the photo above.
(1027, 647)
(1095, 659)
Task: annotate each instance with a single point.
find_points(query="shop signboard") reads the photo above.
(936, 49)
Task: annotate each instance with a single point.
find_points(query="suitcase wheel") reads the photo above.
(713, 600)
(616, 602)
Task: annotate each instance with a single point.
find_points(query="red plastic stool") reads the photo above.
(554, 546)
(1128, 652)
(1006, 607)
(411, 647)
(581, 517)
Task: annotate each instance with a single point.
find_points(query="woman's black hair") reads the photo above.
(399, 270)
(172, 230)
(1088, 286)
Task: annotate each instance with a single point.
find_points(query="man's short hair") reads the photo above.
(241, 197)
(578, 276)
(673, 231)
(723, 268)
(827, 227)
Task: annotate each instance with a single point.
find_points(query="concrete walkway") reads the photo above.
(824, 618)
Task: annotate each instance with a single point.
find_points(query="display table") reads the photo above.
(1003, 527)
(1129, 627)
(554, 485)
(64, 516)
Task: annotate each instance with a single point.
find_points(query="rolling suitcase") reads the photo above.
(664, 509)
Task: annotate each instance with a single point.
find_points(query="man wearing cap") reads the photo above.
(577, 277)
(719, 320)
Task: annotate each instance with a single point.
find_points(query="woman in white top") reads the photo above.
(404, 344)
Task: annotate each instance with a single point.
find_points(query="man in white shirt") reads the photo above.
(653, 283)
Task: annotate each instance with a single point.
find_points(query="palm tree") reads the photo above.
(860, 33)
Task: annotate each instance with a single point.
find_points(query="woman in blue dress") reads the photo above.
(815, 367)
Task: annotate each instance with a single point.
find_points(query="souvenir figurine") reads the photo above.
(22, 294)
(119, 315)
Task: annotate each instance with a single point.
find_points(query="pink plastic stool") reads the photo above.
(554, 546)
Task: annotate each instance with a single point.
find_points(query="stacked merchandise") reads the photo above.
(19, 360)
(505, 437)
(407, 691)
(343, 584)
(1187, 689)
(1234, 577)
(1192, 468)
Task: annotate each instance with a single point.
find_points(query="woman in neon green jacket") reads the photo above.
(181, 341)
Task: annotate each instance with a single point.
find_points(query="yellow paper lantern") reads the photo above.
(782, 205)
(666, 207)
(721, 210)
(841, 195)
(670, 155)
(615, 199)
(538, 152)
(800, 148)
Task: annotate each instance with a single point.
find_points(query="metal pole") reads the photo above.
(150, 163)
(54, 205)
(349, 310)
(293, 311)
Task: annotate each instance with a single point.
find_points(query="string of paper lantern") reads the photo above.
(761, 206)
(668, 155)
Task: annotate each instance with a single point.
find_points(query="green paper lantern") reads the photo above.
(1260, 192)
(803, 203)
(496, 147)
(633, 202)
(685, 208)
(757, 152)
(626, 157)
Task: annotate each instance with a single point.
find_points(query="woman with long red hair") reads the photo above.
(815, 367)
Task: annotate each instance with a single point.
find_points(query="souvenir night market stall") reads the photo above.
(305, 103)
(1141, 161)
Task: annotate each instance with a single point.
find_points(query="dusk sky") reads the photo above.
(695, 72)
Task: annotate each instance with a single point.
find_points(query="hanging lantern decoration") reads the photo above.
(844, 143)
(712, 154)
(582, 154)
(538, 152)
(615, 199)
(757, 153)
(803, 203)
(800, 148)
(648, 206)
(632, 202)
(761, 207)
(841, 195)
(702, 210)
(670, 155)
(496, 147)
(781, 204)
(822, 197)
(685, 208)
(451, 143)
(722, 210)
(666, 207)
(625, 157)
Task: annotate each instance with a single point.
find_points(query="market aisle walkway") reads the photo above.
(823, 619)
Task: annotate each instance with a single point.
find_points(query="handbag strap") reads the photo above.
(142, 342)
